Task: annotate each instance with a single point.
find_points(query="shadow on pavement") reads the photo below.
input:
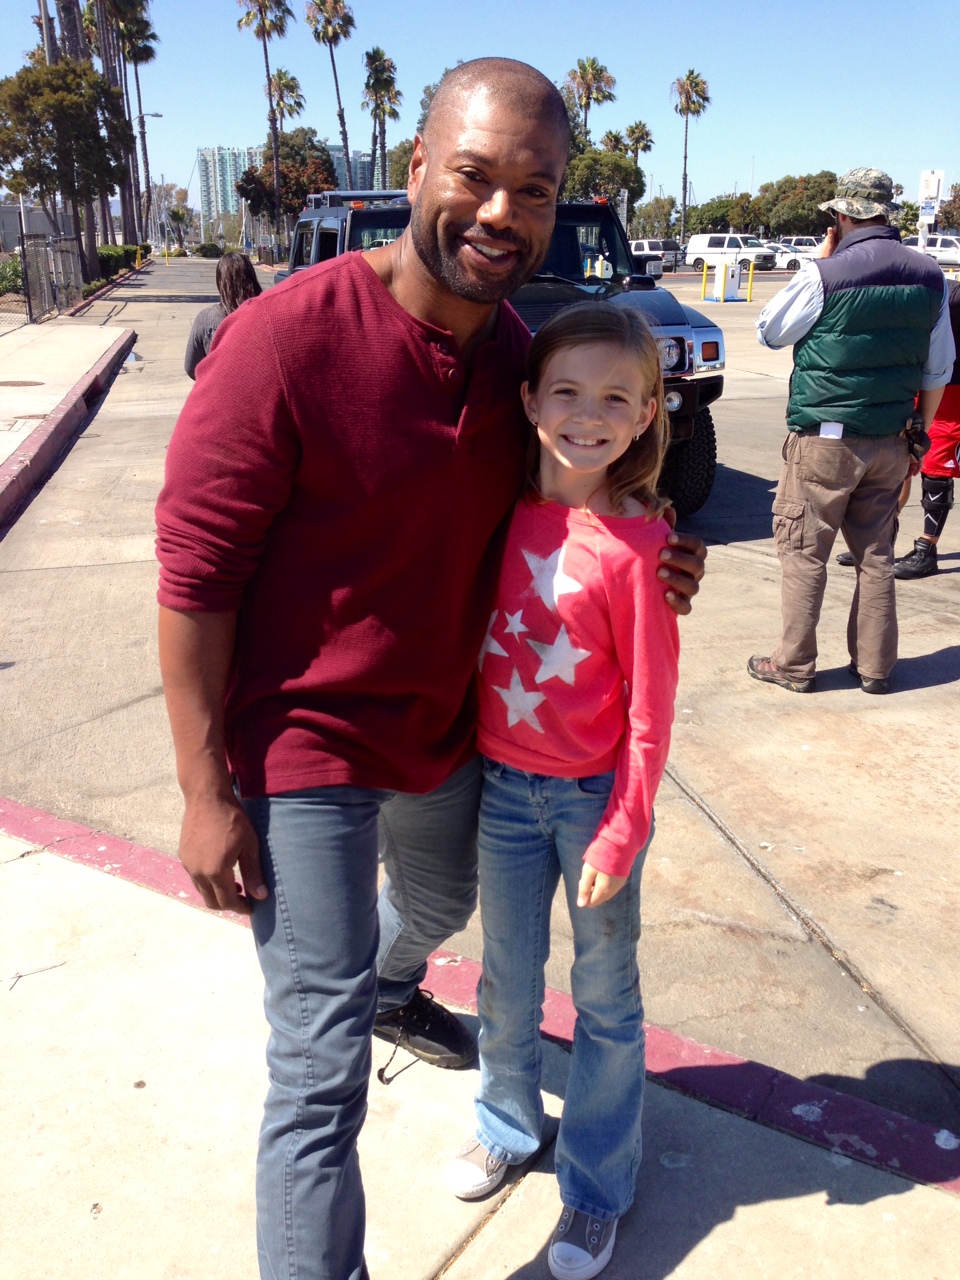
(738, 509)
(702, 1166)
(914, 1087)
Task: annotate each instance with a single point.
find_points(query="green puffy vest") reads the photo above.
(862, 362)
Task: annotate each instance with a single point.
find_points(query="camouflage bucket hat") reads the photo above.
(864, 193)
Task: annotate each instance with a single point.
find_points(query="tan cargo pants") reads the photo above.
(827, 485)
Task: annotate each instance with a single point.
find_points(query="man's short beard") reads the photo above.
(444, 266)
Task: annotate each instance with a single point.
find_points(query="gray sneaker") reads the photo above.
(474, 1172)
(581, 1246)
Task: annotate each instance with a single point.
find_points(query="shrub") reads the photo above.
(11, 276)
(146, 249)
(114, 257)
(209, 251)
(92, 287)
(179, 253)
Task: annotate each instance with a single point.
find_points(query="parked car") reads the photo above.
(668, 249)
(712, 249)
(791, 257)
(943, 249)
(588, 259)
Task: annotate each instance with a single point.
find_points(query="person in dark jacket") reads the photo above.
(870, 328)
(236, 281)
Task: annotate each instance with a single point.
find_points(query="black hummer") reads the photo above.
(589, 257)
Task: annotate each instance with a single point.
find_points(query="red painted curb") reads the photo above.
(26, 469)
(821, 1116)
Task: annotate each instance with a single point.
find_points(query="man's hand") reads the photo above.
(596, 886)
(215, 837)
(830, 243)
(682, 565)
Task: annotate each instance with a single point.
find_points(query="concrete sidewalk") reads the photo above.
(133, 1077)
(51, 375)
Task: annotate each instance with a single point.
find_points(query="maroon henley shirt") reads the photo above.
(337, 477)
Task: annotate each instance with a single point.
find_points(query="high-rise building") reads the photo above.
(360, 163)
(220, 169)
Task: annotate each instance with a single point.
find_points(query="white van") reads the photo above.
(711, 249)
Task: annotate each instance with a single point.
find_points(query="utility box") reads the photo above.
(726, 282)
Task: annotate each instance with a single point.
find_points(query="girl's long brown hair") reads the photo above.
(236, 280)
(636, 472)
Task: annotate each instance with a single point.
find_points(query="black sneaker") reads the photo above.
(428, 1031)
(845, 558)
(920, 563)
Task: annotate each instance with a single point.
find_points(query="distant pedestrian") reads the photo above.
(577, 680)
(870, 327)
(236, 281)
(939, 468)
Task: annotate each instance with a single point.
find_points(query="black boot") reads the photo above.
(920, 563)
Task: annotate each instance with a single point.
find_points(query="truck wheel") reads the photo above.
(698, 264)
(793, 265)
(690, 466)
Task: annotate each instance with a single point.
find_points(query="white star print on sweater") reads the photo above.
(579, 669)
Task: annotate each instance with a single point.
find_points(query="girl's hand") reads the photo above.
(596, 886)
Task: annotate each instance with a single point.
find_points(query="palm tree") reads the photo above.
(139, 51)
(287, 96)
(639, 138)
(613, 141)
(592, 83)
(268, 18)
(381, 97)
(332, 21)
(692, 97)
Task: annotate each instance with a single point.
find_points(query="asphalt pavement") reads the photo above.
(799, 902)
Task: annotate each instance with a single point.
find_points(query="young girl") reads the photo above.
(577, 681)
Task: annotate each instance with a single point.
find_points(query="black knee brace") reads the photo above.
(936, 500)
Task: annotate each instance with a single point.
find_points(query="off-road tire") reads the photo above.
(690, 467)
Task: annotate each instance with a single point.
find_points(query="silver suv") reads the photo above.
(943, 249)
(669, 251)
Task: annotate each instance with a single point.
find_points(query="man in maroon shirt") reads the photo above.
(329, 539)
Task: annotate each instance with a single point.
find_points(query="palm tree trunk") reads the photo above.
(343, 122)
(132, 158)
(275, 139)
(90, 242)
(383, 153)
(50, 50)
(106, 221)
(373, 150)
(683, 194)
(148, 192)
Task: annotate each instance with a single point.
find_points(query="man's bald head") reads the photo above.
(504, 82)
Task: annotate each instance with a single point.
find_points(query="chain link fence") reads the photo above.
(41, 280)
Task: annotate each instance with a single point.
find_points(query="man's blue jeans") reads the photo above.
(317, 940)
(534, 831)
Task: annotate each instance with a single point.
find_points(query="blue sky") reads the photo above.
(795, 87)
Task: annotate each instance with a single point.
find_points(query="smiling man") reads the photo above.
(329, 536)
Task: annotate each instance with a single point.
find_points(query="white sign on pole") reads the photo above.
(931, 184)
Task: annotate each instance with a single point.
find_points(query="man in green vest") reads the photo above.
(869, 324)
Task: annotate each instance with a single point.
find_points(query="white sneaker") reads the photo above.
(581, 1246)
(473, 1172)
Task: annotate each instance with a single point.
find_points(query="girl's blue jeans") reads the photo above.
(534, 831)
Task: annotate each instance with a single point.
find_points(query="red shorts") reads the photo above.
(943, 457)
